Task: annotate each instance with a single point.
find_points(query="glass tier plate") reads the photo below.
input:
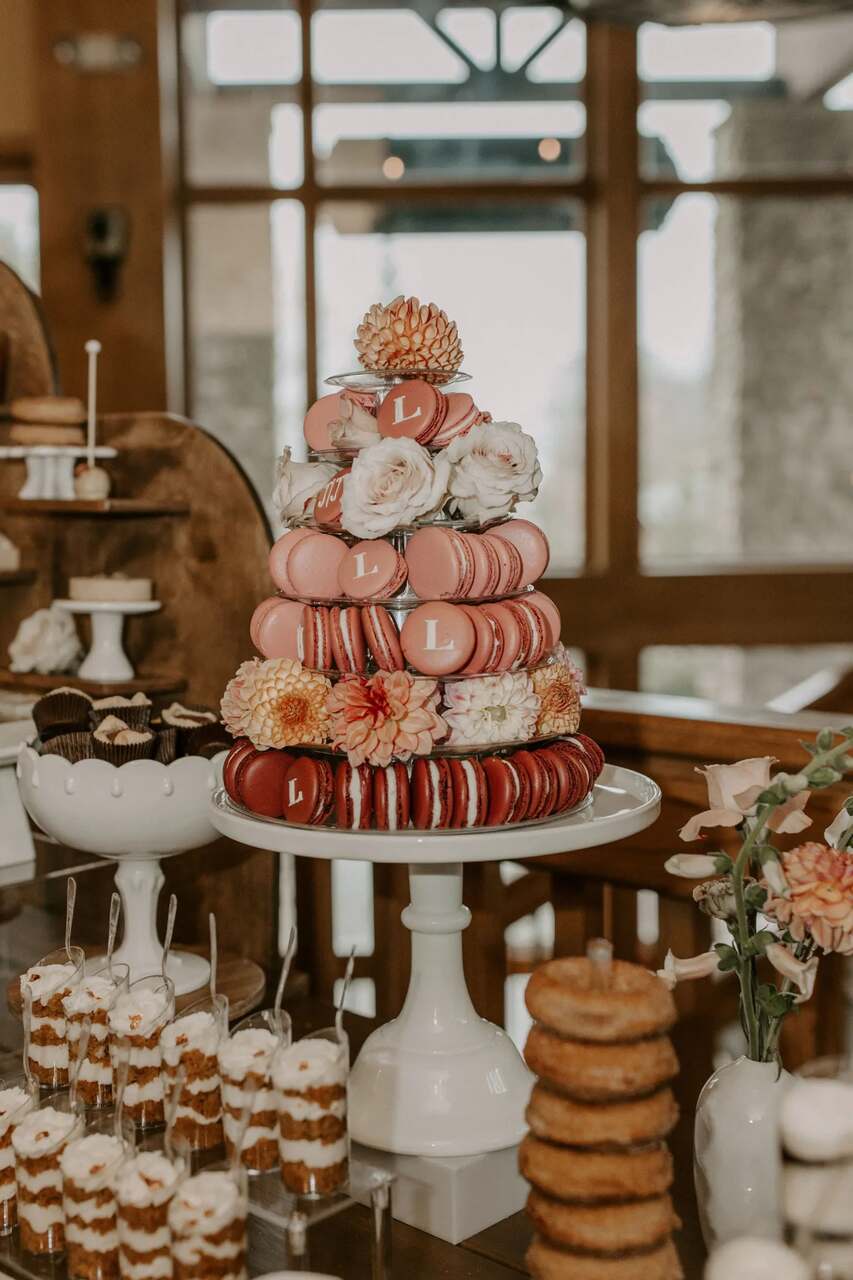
(384, 380)
(332, 673)
(439, 749)
(438, 520)
(404, 602)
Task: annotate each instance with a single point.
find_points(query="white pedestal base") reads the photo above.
(452, 1198)
(50, 468)
(106, 662)
(438, 1080)
(139, 881)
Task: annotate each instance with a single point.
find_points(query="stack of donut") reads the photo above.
(599, 1114)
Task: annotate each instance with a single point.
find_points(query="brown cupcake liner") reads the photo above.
(166, 748)
(205, 740)
(61, 711)
(74, 747)
(117, 754)
(135, 717)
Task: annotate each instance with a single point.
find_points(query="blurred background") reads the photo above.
(645, 236)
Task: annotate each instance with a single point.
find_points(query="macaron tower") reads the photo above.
(410, 675)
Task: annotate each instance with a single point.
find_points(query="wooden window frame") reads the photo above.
(614, 609)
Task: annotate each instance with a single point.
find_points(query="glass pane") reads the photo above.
(248, 329)
(746, 99)
(19, 232)
(522, 327)
(737, 677)
(746, 381)
(437, 108)
(243, 122)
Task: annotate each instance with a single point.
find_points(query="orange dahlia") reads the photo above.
(819, 900)
(409, 336)
(388, 716)
(559, 687)
(276, 703)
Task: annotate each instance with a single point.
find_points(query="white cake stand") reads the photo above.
(136, 815)
(106, 662)
(439, 1080)
(50, 468)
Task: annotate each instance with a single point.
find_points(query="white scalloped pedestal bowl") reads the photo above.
(136, 814)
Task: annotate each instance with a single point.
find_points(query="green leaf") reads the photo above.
(808, 747)
(767, 853)
(773, 795)
(825, 739)
(723, 863)
(755, 897)
(848, 805)
(774, 1004)
(824, 777)
(761, 941)
(729, 959)
(847, 731)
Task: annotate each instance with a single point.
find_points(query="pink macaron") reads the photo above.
(317, 637)
(440, 563)
(437, 638)
(484, 641)
(484, 581)
(413, 408)
(534, 629)
(513, 640)
(530, 543)
(327, 503)
(280, 631)
(258, 616)
(348, 647)
(551, 614)
(462, 414)
(371, 570)
(509, 562)
(318, 419)
(279, 557)
(381, 632)
(313, 565)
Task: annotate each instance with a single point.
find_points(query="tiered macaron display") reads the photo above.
(410, 672)
(599, 1115)
(120, 729)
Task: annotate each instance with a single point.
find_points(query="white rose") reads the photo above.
(355, 428)
(391, 484)
(46, 642)
(296, 483)
(493, 466)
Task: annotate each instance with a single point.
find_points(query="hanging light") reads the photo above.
(685, 12)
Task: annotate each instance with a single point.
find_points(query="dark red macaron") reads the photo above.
(391, 804)
(504, 785)
(553, 783)
(591, 749)
(562, 780)
(347, 633)
(470, 792)
(580, 767)
(353, 796)
(317, 637)
(528, 764)
(242, 748)
(484, 642)
(382, 638)
(308, 790)
(431, 794)
(260, 781)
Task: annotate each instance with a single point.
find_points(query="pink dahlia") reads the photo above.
(388, 716)
(819, 900)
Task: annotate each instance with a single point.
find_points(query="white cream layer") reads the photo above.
(304, 1109)
(49, 1055)
(317, 1155)
(144, 1241)
(40, 1218)
(310, 1064)
(91, 1241)
(157, 1269)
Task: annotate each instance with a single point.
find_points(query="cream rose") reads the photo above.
(45, 642)
(355, 428)
(391, 484)
(296, 483)
(492, 467)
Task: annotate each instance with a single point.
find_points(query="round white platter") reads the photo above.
(439, 1080)
(106, 662)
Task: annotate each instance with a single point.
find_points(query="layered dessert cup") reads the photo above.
(136, 1021)
(144, 1190)
(38, 1142)
(249, 1106)
(310, 1078)
(87, 1011)
(90, 1167)
(207, 1219)
(189, 1046)
(15, 1104)
(44, 988)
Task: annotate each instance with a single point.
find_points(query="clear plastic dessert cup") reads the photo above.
(249, 1105)
(207, 1219)
(43, 988)
(39, 1141)
(136, 1021)
(190, 1046)
(87, 1012)
(90, 1168)
(144, 1190)
(16, 1101)
(310, 1078)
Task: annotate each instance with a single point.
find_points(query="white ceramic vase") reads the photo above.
(737, 1154)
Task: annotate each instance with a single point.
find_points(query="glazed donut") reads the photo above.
(600, 1072)
(604, 1228)
(587, 1177)
(52, 411)
(31, 435)
(563, 995)
(553, 1116)
(546, 1262)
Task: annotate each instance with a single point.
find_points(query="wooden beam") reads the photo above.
(799, 186)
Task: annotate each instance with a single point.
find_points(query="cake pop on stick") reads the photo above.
(91, 483)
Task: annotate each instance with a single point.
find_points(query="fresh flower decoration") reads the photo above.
(276, 702)
(392, 483)
(297, 484)
(558, 686)
(500, 708)
(46, 642)
(407, 334)
(355, 428)
(786, 908)
(492, 467)
(387, 716)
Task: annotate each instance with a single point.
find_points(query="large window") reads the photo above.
(666, 308)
